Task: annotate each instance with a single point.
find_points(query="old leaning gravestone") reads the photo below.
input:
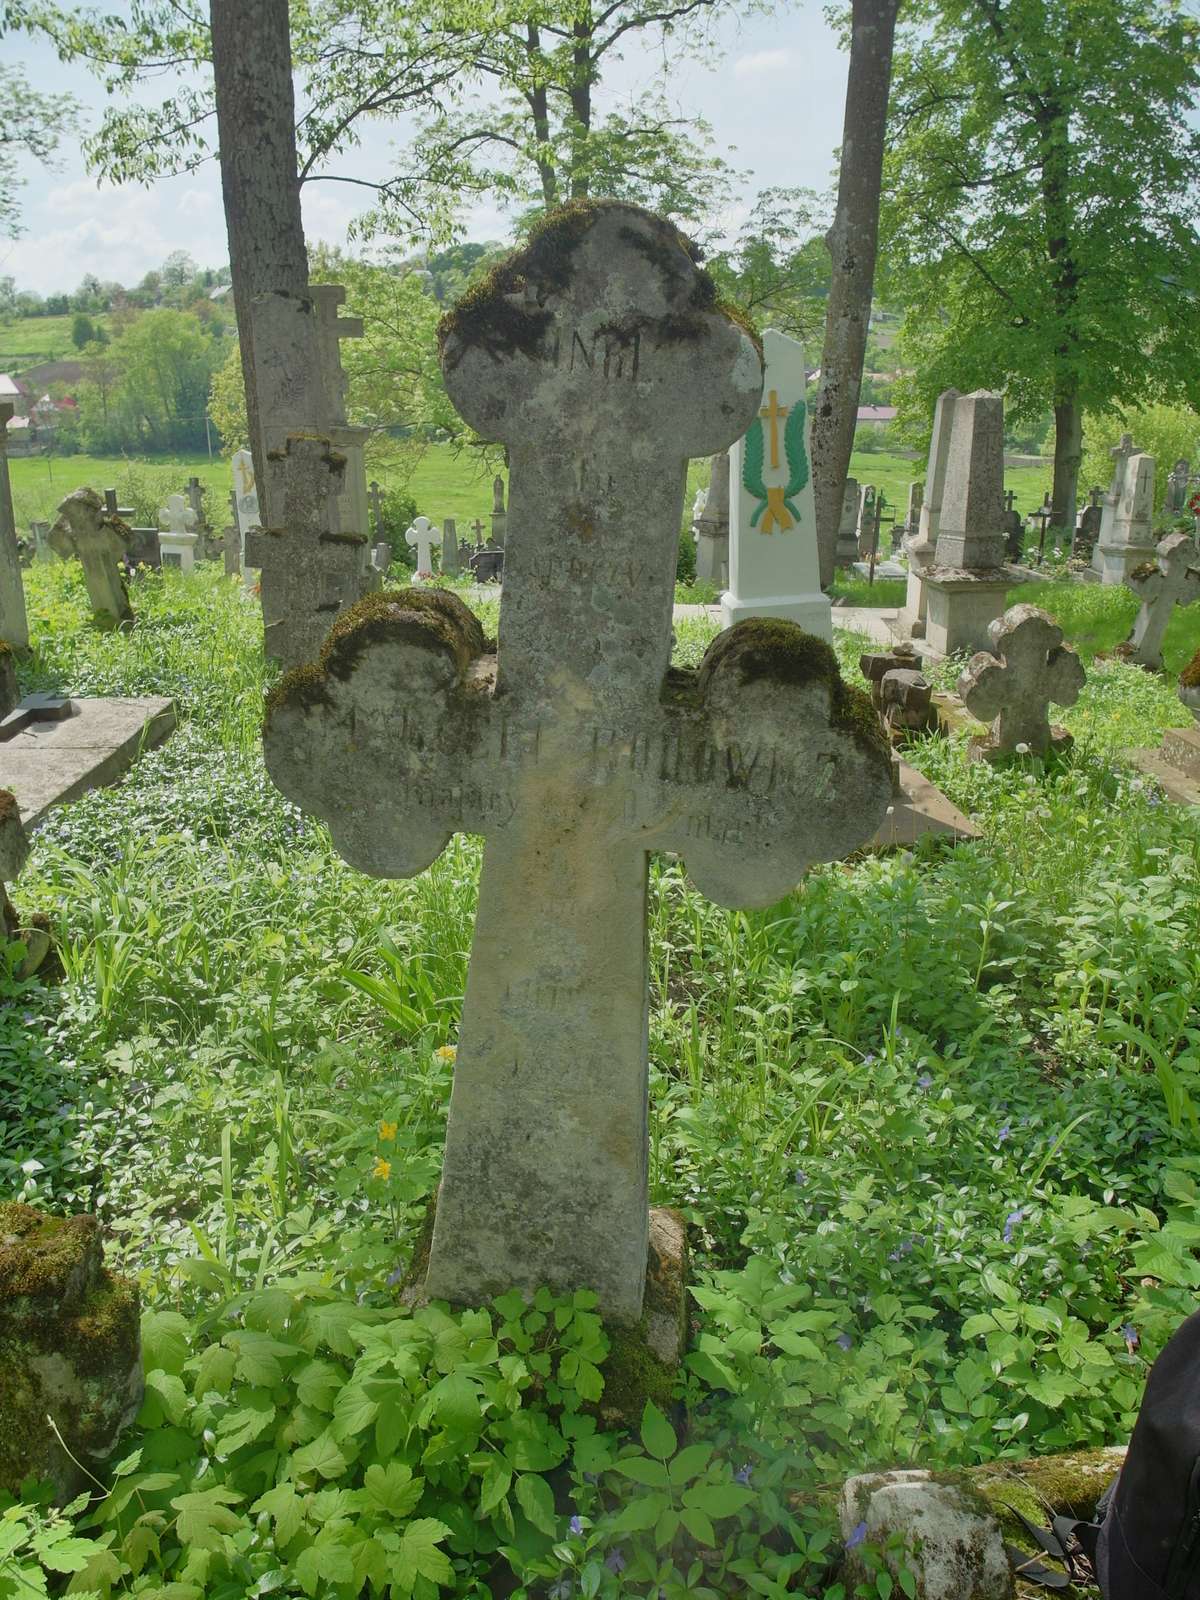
(597, 356)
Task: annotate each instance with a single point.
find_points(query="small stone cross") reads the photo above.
(39, 707)
(421, 538)
(83, 530)
(1172, 580)
(477, 530)
(1012, 688)
(602, 363)
(177, 517)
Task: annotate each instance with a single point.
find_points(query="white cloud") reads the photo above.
(760, 61)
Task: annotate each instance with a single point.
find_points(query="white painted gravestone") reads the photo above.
(600, 361)
(14, 625)
(83, 530)
(245, 498)
(773, 565)
(1013, 685)
(177, 533)
(1171, 579)
(421, 537)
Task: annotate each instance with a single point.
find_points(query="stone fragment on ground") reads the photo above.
(52, 761)
(951, 1539)
(1175, 765)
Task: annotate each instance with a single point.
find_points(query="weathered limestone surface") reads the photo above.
(847, 538)
(922, 545)
(69, 1347)
(1012, 687)
(773, 566)
(712, 526)
(596, 355)
(14, 625)
(84, 530)
(1127, 536)
(1171, 579)
(955, 1549)
(49, 763)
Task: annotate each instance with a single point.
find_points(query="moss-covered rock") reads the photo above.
(70, 1353)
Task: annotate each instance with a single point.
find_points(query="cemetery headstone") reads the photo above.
(1177, 488)
(847, 539)
(866, 530)
(381, 556)
(712, 527)
(40, 534)
(301, 599)
(499, 514)
(14, 623)
(1171, 579)
(9, 693)
(347, 439)
(487, 563)
(143, 548)
(450, 561)
(72, 1351)
(965, 587)
(922, 547)
(912, 517)
(178, 536)
(465, 552)
(1127, 540)
(232, 551)
(84, 532)
(477, 530)
(1012, 686)
(773, 565)
(565, 751)
(245, 492)
(421, 537)
(1088, 529)
(1112, 569)
(376, 496)
(876, 664)
(1014, 528)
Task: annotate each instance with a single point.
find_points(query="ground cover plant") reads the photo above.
(931, 1121)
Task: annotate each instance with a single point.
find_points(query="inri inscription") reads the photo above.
(598, 356)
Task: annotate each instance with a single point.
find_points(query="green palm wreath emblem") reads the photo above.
(777, 502)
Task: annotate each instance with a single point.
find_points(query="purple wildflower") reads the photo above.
(1003, 1134)
(925, 1081)
(742, 1475)
(615, 1559)
(800, 1176)
(859, 1536)
(395, 1277)
(1011, 1222)
(844, 1341)
(1130, 1335)
(576, 1525)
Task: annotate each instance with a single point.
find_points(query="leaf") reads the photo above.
(690, 1462)
(321, 1456)
(658, 1435)
(171, 1390)
(417, 1555)
(65, 1555)
(317, 1382)
(213, 1371)
(536, 1500)
(353, 1411)
(393, 1489)
(717, 1499)
(653, 1474)
(699, 1526)
(286, 1510)
(640, 1514)
(164, 1341)
(204, 1516)
(495, 1485)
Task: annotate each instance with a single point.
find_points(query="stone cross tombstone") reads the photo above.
(499, 514)
(1112, 570)
(350, 441)
(712, 527)
(40, 534)
(376, 497)
(195, 497)
(83, 531)
(599, 358)
(865, 529)
(450, 563)
(912, 516)
(232, 550)
(1177, 488)
(465, 552)
(477, 530)
(178, 539)
(1171, 579)
(421, 537)
(1014, 528)
(14, 623)
(774, 569)
(1013, 686)
(922, 547)
(1128, 540)
(245, 492)
(381, 556)
(1088, 529)
(301, 599)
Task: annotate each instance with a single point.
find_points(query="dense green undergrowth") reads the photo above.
(931, 1122)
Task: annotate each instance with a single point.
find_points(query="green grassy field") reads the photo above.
(28, 341)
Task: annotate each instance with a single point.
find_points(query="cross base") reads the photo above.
(960, 605)
(811, 611)
(982, 747)
(643, 1359)
(1114, 562)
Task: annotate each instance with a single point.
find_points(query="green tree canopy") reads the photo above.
(32, 124)
(1038, 207)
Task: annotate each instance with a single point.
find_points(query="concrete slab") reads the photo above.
(875, 621)
(1181, 788)
(49, 763)
(920, 809)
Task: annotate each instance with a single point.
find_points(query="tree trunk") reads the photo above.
(582, 73)
(852, 242)
(256, 117)
(1068, 453)
(539, 109)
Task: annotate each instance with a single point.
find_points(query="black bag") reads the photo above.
(1145, 1541)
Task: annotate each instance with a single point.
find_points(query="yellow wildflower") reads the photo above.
(446, 1052)
(383, 1169)
(387, 1130)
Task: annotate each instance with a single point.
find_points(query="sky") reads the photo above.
(772, 87)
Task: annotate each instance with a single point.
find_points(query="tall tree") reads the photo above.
(852, 244)
(32, 124)
(503, 93)
(1039, 196)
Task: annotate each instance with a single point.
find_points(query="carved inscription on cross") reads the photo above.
(577, 750)
(1013, 687)
(773, 413)
(1171, 580)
